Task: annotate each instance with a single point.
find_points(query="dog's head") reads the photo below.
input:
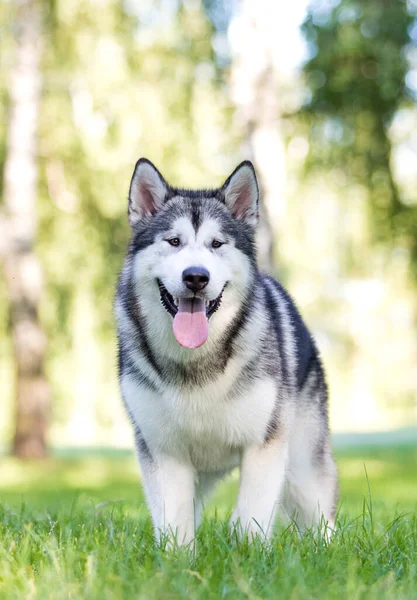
(193, 248)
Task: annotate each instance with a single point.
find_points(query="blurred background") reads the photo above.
(322, 96)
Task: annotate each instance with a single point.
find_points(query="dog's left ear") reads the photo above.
(147, 191)
(241, 193)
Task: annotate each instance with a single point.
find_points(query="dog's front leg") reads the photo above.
(262, 476)
(169, 487)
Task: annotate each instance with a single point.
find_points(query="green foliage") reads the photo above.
(120, 81)
(356, 80)
(78, 528)
(357, 263)
(359, 62)
(128, 79)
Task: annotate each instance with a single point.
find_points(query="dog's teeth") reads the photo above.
(207, 303)
(176, 301)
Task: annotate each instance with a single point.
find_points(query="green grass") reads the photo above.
(78, 528)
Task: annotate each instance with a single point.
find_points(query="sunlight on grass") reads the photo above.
(79, 528)
(356, 467)
(89, 472)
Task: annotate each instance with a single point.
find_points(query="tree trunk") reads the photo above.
(22, 268)
(255, 92)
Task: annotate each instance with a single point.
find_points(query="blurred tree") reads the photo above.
(255, 91)
(22, 267)
(356, 81)
(365, 229)
(121, 80)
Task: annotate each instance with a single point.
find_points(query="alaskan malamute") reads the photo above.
(216, 366)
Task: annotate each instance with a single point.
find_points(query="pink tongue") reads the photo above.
(190, 323)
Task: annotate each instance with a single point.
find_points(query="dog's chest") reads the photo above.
(204, 425)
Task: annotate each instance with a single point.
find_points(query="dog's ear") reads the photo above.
(147, 191)
(241, 193)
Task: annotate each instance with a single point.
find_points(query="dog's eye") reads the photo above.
(216, 244)
(174, 241)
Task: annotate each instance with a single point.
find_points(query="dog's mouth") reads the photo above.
(190, 316)
(171, 304)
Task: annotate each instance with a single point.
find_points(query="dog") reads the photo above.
(217, 369)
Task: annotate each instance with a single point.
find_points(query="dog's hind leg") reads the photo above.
(311, 489)
(310, 493)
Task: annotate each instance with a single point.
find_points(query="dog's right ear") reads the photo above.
(147, 191)
(241, 193)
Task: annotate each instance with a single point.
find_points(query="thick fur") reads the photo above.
(253, 396)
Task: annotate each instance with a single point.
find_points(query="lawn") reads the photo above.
(77, 527)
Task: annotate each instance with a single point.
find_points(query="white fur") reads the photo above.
(202, 426)
(170, 492)
(200, 432)
(261, 484)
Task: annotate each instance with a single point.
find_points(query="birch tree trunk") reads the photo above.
(255, 92)
(22, 268)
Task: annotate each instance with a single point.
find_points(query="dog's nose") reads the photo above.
(196, 278)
